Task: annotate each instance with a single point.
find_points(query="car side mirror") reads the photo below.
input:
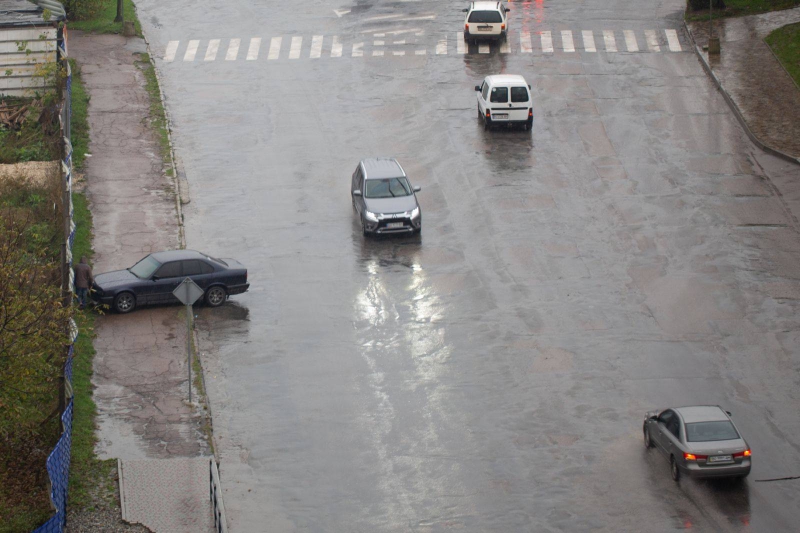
(477, 87)
(417, 188)
(357, 192)
(507, 10)
(529, 86)
(464, 10)
(155, 278)
(729, 413)
(653, 417)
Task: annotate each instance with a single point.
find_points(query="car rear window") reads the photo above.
(710, 431)
(499, 94)
(519, 94)
(485, 16)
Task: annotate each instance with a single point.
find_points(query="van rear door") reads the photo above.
(498, 103)
(520, 103)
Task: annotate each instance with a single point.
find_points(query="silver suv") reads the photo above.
(384, 199)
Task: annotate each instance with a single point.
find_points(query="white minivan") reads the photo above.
(505, 99)
(485, 20)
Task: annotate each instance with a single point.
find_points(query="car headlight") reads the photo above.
(415, 212)
(372, 217)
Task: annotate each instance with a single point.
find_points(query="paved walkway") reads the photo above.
(765, 94)
(140, 371)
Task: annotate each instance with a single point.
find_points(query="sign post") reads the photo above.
(188, 292)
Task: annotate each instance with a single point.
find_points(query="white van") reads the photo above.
(505, 99)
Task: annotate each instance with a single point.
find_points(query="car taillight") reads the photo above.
(488, 113)
(746, 453)
(694, 457)
(502, 26)
(530, 113)
(466, 27)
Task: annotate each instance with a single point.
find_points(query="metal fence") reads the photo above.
(59, 459)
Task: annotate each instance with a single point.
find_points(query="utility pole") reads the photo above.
(120, 12)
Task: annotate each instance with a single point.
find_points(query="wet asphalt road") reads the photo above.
(492, 375)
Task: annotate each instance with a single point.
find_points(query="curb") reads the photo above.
(732, 104)
(122, 505)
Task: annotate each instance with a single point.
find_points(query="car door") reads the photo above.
(199, 271)
(659, 436)
(165, 280)
(520, 103)
(358, 201)
(483, 94)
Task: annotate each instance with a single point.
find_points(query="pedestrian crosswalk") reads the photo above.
(523, 42)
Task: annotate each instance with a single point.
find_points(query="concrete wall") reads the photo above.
(22, 51)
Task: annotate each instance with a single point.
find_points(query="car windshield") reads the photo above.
(387, 188)
(710, 431)
(145, 268)
(485, 16)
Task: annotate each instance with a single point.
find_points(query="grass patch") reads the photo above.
(31, 142)
(785, 42)
(103, 22)
(80, 120)
(741, 8)
(158, 116)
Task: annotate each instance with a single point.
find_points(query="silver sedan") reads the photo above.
(699, 441)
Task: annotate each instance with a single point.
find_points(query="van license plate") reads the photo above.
(503, 116)
(394, 225)
(720, 459)
(484, 28)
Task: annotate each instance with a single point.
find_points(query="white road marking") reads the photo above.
(566, 41)
(672, 39)
(588, 41)
(169, 53)
(461, 46)
(336, 47)
(294, 48)
(421, 52)
(611, 42)
(505, 48)
(382, 17)
(358, 49)
(652, 40)
(340, 12)
(275, 47)
(316, 47)
(630, 41)
(233, 50)
(525, 42)
(547, 42)
(380, 35)
(191, 50)
(378, 43)
(441, 46)
(399, 52)
(252, 52)
(399, 42)
(483, 49)
(377, 52)
(211, 51)
(398, 31)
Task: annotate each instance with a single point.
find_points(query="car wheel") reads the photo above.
(673, 468)
(648, 442)
(487, 123)
(363, 228)
(480, 115)
(215, 296)
(529, 125)
(124, 302)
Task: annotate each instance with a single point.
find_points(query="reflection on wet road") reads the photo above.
(628, 254)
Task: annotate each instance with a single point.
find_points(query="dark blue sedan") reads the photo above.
(152, 280)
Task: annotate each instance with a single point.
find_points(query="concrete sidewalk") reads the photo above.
(763, 93)
(140, 371)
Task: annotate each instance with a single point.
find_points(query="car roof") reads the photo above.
(498, 79)
(382, 167)
(701, 413)
(485, 6)
(176, 255)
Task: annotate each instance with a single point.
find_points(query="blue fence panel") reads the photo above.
(58, 470)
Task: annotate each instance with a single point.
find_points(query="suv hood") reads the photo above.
(391, 205)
